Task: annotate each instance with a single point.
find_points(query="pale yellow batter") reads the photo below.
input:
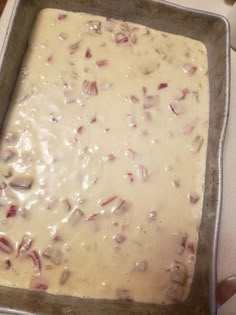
(102, 161)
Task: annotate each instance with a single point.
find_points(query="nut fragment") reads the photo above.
(67, 204)
(193, 198)
(21, 183)
(175, 292)
(64, 276)
(75, 216)
(2, 184)
(10, 137)
(141, 265)
(38, 283)
(7, 155)
(6, 265)
(35, 256)
(109, 157)
(94, 26)
(62, 36)
(122, 207)
(119, 238)
(179, 273)
(197, 143)
(6, 172)
(54, 255)
(123, 294)
(6, 245)
(25, 244)
(152, 216)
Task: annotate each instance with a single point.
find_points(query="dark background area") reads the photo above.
(2, 5)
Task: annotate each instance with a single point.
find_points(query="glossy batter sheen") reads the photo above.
(102, 161)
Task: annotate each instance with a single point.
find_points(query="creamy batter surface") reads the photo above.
(103, 159)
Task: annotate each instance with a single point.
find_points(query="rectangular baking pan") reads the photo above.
(213, 31)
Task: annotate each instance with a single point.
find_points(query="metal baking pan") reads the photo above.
(213, 31)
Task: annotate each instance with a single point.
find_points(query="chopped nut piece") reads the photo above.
(65, 276)
(74, 47)
(108, 200)
(134, 99)
(10, 138)
(152, 216)
(2, 184)
(24, 245)
(90, 87)
(189, 69)
(176, 183)
(197, 144)
(162, 86)
(95, 27)
(21, 182)
(143, 172)
(179, 273)
(34, 255)
(183, 238)
(93, 217)
(110, 157)
(150, 101)
(49, 267)
(122, 207)
(5, 245)
(131, 121)
(88, 54)
(141, 265)
(175, 292)
(62, 36)
(181, 94)
(119, 238)
(7, 155)
(121, 38)
(12, 211)
(130, 176)
(80, 130)
(101, 63)
(75, 216)
(54, 255)
(67, 204)
(123, 294)
(191, 247)
(6, 265)
(6, 172)
(38, 283)
(193, 198)
(177, 109)
(62, 17)
(195, 95)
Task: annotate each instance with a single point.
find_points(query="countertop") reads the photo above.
(227, 241)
